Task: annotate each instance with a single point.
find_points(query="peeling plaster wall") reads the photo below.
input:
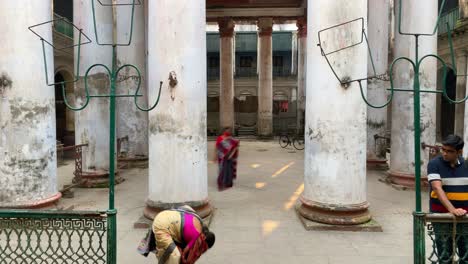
(335, 133)
(177, 126)
(92, 123)
(28, 159)
(417, 17)
(376, 89)
(131, 121)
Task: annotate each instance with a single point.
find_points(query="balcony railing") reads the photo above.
(451, 17)
(63, 25)
(282, 72)
(246, 72)
(448, 236)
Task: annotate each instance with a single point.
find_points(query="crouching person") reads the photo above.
(181, 237)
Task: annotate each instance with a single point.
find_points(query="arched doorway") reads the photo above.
(64, 117)
(447, 120)
(60, 109)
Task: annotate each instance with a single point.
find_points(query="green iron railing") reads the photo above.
(451, 18)
(47, 236)
(53, 237)
(448, 235)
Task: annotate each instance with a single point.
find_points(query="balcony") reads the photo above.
(451, 17)
(63, 26)
(246, 72)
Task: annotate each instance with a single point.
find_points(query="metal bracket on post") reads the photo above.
(111, 213)
(418, 215)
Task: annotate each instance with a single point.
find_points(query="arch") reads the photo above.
(65, 118)
(446, 113)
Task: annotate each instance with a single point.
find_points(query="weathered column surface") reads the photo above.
(226, 80)
(301, 70)
(335, 152)
(92, 123)
(132, 123)
(417, 17)
(265, 78)
(28, 161)
(465, 118)
(177, 126)
(376, 89)
(460, 93)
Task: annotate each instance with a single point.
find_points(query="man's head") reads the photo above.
(452, 148)
(209, 237)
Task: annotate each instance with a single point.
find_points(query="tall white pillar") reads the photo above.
(417, 17)
(28, 161)
(335, 135)
(376, 89)
(265, 78)
(301, 70)
(226, 80)
(177, 126)
(460, 93)
(92, 123)
(132, 123)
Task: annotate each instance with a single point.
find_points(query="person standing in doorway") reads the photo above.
(226, 151)
(448, 178)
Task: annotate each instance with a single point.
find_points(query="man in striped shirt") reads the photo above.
(448, 178)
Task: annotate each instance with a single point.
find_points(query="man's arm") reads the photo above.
(437, 188)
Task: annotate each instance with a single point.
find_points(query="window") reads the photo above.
(246, 61)
(213, 62)
(278, 61)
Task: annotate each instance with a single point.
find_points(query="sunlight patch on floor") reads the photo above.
(268, 226)
(282, 170)
(292, 200)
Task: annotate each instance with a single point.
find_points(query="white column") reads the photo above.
(28, 161)
(226, 80)
(376, 89)
(417, 17)
(335, 156)
(92, 123)
(460, 93)
(132, 122)
(177, 126)
(265, 78)
(301, 70)
(465, 132)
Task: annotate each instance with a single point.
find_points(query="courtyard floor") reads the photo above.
(255, 222)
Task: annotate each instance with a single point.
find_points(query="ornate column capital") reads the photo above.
(301, 27)
(265, 26)
(226, 27)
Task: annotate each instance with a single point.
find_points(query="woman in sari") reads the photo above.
(227, 151)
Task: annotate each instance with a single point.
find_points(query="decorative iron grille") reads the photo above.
(448, 239)
(53, 237)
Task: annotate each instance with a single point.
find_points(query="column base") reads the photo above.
(39, 204)
(334, 214)
(203, 208)
(377, 164)
(96, 179)
(133, 162)
(404, 179)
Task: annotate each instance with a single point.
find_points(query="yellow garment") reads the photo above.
(167, 228)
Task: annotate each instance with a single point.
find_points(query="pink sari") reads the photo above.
(227, 153)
